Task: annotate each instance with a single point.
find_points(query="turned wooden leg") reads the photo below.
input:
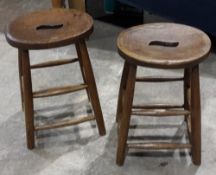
(92, 89)
(124, 121)
(121, 90)
(21, 77)
(195, 116)
(82, 70)
(28, 99)
(187, 99)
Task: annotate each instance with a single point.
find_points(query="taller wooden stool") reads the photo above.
(166, 46)
(50, 29)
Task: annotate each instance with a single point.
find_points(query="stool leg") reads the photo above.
(28, 100)
(21, 77)
(195, 116)
(124, 121)
(121, 90)
(92, 89)
(82, 70)
(187, 99)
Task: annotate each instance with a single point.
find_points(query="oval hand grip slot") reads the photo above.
(49, 26)
(164, 43)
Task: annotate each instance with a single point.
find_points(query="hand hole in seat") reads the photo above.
(164, 43)
(49, 26)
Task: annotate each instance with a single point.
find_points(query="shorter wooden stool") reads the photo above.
(50, 29)
(166, 46)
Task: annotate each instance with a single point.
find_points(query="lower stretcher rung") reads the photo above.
(159, 145)
(65, 123)
(160, 112)
(157, 106)
(58, 91)
(54, 63)
(158, 79)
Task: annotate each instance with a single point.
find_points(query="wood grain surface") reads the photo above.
(163, 45)
(49, 29)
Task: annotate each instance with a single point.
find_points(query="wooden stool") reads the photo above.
(166, 46)
(50, 29)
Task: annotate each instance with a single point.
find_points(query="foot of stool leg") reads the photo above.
(121, 90)
(124, 122)
(195, 116)
(92, 89)
(28, 100)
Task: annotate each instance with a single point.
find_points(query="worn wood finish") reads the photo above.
(58, 91)
(195, 116)
(65, 123)
(28, 99)
(154, 45)
(121, 91)
(158, 145)
(49, 29)
(160, 112)
(54, 63)
(89, 77)
(124, 121)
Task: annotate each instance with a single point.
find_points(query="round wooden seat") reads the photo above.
(165, 45)
(49, 29)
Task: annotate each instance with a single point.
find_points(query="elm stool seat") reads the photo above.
(45, 30)
(164, 46)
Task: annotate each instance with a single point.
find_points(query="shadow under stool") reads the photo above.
(164, 46)
(45, 30)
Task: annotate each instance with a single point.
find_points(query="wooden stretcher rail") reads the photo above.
(160, 112)
(54, 63)
(159, 146)
(158, 79)
(58, 91)
(65, 123)
(156, 106)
